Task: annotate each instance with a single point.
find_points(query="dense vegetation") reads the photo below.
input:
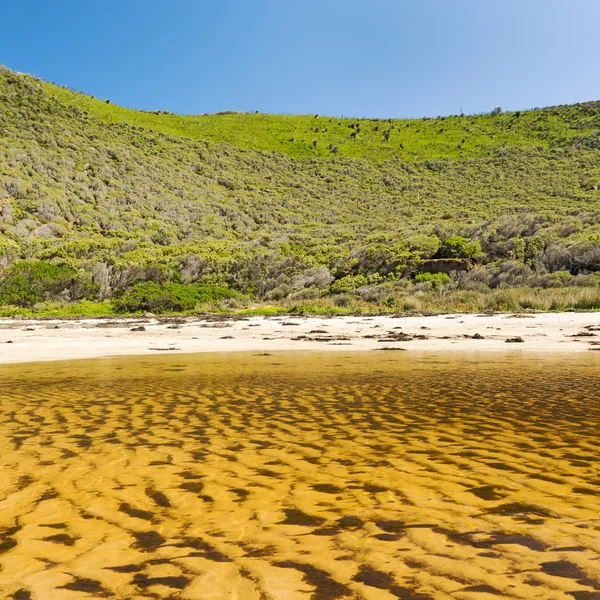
(138, 211)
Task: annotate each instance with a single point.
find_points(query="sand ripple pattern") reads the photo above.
(301, 476)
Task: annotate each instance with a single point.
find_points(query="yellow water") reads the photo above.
(383, 475)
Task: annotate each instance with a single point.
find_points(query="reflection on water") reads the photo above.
(373, 476)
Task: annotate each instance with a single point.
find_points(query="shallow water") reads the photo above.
(384, 475)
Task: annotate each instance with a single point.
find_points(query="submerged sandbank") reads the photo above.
(301, 475)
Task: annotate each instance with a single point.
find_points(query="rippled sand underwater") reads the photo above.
(384, 475)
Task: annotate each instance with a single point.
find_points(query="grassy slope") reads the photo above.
(455, 137)
(89, 182)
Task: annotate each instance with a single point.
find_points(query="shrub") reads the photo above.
(475, 280)
(343, 301)
(517, 247)
(510, 274)
(437, 278)
(533, 247)
(318, 277)
(8, 250)
(386, 259)
(459, 247)
(554, 280)
(348, 283)
(555, 257)
(426, 246)
(170, 297)
(278, 293)
(29, 282)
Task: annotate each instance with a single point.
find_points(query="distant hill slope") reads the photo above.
(288, 205)
(300, 136)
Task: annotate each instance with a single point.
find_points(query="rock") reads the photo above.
(140, 328)
(515, 340)
(391, 349)
(393, 336)
(164, 349)
(306, 338)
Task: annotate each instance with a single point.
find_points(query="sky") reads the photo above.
(355, 58)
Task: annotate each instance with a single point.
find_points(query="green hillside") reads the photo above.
(165, 212)
(302, 136)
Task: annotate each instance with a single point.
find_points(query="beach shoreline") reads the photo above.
(31, 340)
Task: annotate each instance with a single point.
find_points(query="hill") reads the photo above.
(154, 211)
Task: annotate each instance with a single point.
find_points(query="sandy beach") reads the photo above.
(31, 340)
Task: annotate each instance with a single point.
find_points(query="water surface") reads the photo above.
(379, 475)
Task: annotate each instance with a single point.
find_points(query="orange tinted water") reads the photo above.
(384, 475)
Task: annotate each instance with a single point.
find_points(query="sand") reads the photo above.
(30, 340)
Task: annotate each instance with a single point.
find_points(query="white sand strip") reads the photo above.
(29, 340)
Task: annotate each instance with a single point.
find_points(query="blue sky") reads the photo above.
(378, 58)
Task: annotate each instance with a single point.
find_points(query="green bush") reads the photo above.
(170, 297)
(348, 283)
(459, 247)
(533, 247)
(426, 246)
(8, 248)
(438, 278)
(28, 282)
(386, 257)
